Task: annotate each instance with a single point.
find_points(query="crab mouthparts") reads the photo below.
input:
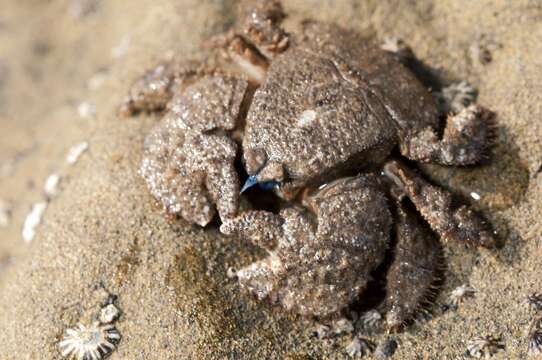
(252, 181)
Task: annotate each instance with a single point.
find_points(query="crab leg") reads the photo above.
(447, 219)
(466, 138)
(414, 270)
(263, 228)
(153, 90)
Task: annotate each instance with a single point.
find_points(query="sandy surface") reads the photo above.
(103, 231)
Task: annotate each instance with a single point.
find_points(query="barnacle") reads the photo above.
(109, 313)
(386, 349)
(358, 348)
(460, 293)
(456, 97)
(486, 346)
(343, 326)
(397, 46)
(92, 342)
(321, 331)
(535, 301)
(370, 320)
(535, 337)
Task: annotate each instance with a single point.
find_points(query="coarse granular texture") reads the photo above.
(171, 278)
(325, 106)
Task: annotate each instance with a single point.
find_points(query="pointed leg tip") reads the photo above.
(249, 183)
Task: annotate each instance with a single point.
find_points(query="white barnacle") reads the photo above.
(109, 313)
(86, 110)
(386, 349)
(306, 118)
(535, 343)
(358, 348)
(534, 301)
(456, 97)
(51, 185)
(75, 152)
(370, 320)
(343, 326)
(535, 337)
(231, 273)
(321, 331)
(460, 293)
(122, 47)
(33, 219)
(96, 81)
(486, 346)
(92, 342)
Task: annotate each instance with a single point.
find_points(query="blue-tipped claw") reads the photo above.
(252, 181)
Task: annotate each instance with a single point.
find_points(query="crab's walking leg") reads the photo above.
(262, 26)
(447, 219)
(465, 141)
(263, 228)
(223, 187)
(153, 90)
(414, 271)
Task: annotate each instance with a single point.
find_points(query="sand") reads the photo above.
(102, 231)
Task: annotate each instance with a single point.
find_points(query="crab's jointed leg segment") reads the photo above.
(189, 155)
(262, 228)
(262, 26)
(465, 141)
(153, 90)
(414, 270)
(449, 220)
(321, 255)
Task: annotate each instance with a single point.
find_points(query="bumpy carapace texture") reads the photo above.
(318, 114)
(321, 255)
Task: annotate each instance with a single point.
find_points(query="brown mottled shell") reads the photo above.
(327, 106)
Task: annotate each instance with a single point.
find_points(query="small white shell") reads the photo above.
(33, 219)
(358, 348)
(86, 110)
(109, 313)
(51, 185)
(486, 346)
(460, 293)
(75, 152)
(92, 342)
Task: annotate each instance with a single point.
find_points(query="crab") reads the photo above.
(321, 118)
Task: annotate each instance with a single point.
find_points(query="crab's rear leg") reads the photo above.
(262, 228)
(155, 88)
(262, 21)
(414, 271)
(465, 141)
(259, 39)
(450, 220)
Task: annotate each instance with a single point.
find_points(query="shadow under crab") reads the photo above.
(316, 116)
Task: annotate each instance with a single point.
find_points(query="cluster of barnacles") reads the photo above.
(94, 341)
(485, 346)
(367, 324)
(535, 332)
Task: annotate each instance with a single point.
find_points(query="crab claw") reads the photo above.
(253, 181)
